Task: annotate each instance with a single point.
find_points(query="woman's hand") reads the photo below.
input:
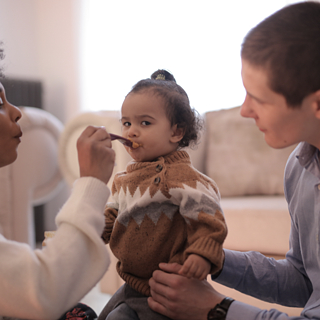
(180, 298)
(96, 158)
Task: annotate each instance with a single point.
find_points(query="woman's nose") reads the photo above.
(15, 113)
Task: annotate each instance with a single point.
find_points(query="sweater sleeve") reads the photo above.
(42, 284)
(207, 229)
(110, 218)
(111, 213)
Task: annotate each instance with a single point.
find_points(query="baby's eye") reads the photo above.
(1, 102)
(126, 124)
(145, 123)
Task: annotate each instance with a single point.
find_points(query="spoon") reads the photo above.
(124, 141)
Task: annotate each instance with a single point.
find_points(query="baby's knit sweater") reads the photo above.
(163, 211)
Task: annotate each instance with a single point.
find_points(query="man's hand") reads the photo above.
(181, 298)
(96, 158)
(195, 267)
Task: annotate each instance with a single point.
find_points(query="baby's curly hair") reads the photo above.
(178, 110)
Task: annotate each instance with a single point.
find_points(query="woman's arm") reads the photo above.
(42, 284)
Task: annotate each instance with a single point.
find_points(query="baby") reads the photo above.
(163, 209)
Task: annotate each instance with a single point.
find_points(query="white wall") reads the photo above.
(41, 42)
(40, 39)
(198, 41)
(18, 32)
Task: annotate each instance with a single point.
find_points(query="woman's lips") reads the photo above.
(18, 136)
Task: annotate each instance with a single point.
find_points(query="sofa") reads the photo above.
(34, 178)
(249, 173)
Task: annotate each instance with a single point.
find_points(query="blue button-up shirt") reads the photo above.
(294, 281)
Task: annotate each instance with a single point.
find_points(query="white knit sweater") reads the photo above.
(43, 284)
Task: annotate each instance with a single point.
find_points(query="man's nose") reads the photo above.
(246, 111)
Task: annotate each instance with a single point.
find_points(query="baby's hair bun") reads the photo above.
(163, 75)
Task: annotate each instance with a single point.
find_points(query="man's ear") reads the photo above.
(177, 134)
(316, 102)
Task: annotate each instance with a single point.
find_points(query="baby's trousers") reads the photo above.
(132, 305)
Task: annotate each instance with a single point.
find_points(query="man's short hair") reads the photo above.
(287, 46)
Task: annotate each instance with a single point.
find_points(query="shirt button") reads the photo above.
(159, 168)
(157, 180)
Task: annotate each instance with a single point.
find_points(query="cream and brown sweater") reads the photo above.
(163, 211)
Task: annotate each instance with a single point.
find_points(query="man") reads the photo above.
(281, 75)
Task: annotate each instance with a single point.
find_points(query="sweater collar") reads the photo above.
(174, 157)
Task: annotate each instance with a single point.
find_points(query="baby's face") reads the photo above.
(144, 121)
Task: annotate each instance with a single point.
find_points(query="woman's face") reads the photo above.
(10, 132)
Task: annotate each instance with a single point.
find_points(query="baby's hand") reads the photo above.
(195, 267)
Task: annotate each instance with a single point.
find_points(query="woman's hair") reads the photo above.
(287, 46)
(1, 57)
(178, 110)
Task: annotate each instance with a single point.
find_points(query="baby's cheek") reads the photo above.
(128, 149)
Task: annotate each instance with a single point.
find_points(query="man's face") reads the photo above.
(282, 126)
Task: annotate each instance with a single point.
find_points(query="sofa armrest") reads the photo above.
(34, 178)
(68, 157)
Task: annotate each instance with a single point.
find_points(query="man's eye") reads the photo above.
(145, 123)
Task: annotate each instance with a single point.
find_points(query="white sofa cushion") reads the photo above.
(259, 223)
(239, 159)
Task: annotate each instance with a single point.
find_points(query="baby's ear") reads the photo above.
(177, 134)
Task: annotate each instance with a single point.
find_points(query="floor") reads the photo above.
(96, 299)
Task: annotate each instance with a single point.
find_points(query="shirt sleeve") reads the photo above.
(42, 284)
(248, 312)
(274, 281)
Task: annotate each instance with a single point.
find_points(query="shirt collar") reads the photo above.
(306, 154)
(308, 157)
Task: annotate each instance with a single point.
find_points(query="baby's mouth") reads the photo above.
(135, 145)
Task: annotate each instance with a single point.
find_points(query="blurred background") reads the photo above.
(85, 55)
(89, 53)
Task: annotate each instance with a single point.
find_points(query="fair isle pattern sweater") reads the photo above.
(163, 211)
